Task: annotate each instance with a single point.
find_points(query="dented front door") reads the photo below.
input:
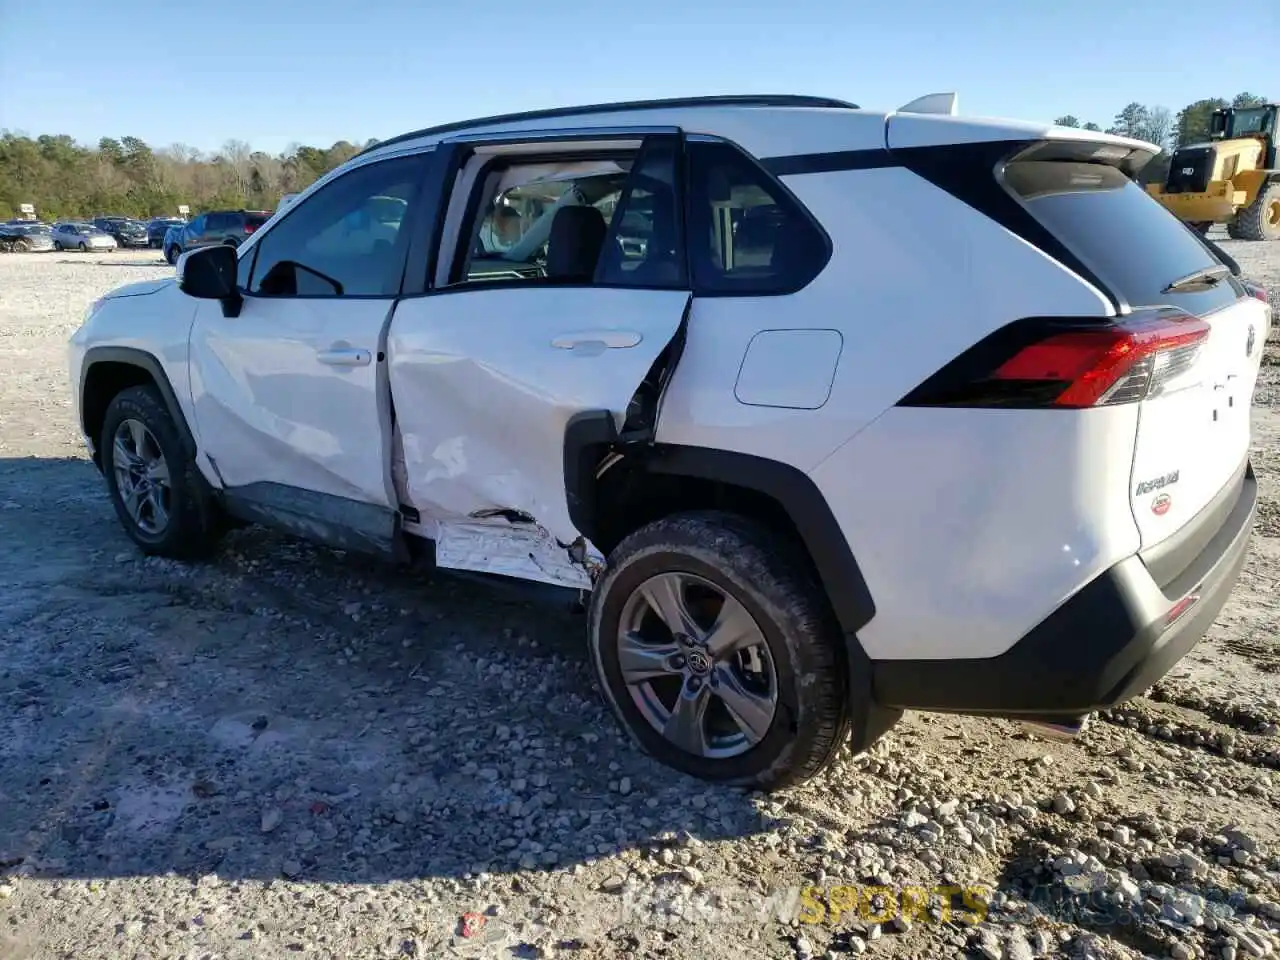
(485, 381)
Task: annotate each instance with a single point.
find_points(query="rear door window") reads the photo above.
(1118, 231)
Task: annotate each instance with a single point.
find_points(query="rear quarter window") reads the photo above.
(747, 234)
(1135, 246)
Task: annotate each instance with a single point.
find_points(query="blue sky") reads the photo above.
(273, 72)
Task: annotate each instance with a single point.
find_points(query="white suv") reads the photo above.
(834, 412)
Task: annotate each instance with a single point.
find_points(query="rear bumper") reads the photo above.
(1111, 641)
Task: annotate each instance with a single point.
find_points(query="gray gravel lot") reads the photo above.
(292, 752)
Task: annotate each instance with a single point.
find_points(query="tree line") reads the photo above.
(64, 179)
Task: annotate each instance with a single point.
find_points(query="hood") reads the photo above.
(140, 289)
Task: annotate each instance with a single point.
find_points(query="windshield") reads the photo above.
(1249, 122)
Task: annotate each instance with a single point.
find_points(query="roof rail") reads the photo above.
(722, 100)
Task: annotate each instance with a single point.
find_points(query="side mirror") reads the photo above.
(210, 274)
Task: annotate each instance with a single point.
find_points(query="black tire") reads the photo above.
(83, 248)
(172, 255)
(57, 246)
(762, 571)
(22, 246)
(194, 526)
(1261, 219)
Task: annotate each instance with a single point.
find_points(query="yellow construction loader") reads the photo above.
(1232, 179)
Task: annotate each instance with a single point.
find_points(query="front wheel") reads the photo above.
(84, 247)
(718, 654)
(172, 255)
(153, 483)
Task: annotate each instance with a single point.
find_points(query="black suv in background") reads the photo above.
(218, 226)
(158, 227)
(127, 231)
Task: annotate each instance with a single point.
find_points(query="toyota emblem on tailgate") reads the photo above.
(1249, 340)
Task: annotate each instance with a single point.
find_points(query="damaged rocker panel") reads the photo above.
(523, 550)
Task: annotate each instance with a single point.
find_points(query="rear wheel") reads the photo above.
(1261, 219)
(57, 246)
(718, 654)
(153, 484)
(172, 254)
(83, 248)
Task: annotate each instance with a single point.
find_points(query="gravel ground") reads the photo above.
(289, 752)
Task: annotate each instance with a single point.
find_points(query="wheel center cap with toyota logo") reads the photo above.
(698, 662)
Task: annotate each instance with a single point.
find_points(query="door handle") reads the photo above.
(613, 339)
(345, 357)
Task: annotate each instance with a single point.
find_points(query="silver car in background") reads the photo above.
(78, 235)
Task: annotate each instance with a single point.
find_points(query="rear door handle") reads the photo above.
(613, 339)
(345, 357)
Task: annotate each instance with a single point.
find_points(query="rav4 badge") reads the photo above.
(1161, 504)
(1249, 341)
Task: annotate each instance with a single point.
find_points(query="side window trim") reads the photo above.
(423, 161)
(775, 183)
(677, 142)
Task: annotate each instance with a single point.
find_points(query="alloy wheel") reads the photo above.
(697, 666)
(142, 477)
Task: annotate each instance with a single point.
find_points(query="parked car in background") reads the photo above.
(171, 243)
(25, 237)
(78, 235)
(230, 227)
(158, 228)
(127, 231)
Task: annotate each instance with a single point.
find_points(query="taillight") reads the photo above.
(249, 228)
(1070, 364)
(1256, 291)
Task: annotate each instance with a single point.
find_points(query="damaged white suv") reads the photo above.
(834, 412)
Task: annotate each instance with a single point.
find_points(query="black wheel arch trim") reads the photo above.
(132, 356)
(591, 434)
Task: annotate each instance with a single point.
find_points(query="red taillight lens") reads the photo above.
(1111, 366)
(1070, 364)
(1256, 291)
(249, 228)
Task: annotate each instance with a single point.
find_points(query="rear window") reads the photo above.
(1119, 232)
